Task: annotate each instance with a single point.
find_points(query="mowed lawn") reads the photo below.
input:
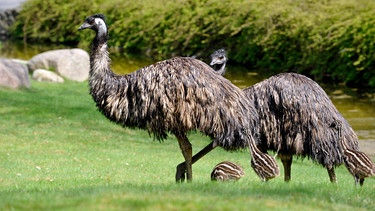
(57, 152)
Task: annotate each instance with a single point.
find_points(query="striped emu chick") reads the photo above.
(227, 171)
(264, 165)
(357, 162)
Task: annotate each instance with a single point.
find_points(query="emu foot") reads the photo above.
(286, 178)
(180, 172)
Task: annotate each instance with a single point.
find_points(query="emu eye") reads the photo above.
(90, 20)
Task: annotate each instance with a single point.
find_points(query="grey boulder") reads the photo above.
(46, 76)
(72, 64)
(13, 74)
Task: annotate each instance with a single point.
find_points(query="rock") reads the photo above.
(46, 76)
(13, 74)
(72, 64)
(21, 61)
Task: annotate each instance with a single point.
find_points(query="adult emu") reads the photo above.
(176, 95)
(294, 117)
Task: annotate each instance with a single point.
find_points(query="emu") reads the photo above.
(263, 164)
(227, 171)
(294, 116)
(218, 61)
(357, 162)
(176, 95)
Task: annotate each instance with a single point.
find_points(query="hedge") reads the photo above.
(322, 38)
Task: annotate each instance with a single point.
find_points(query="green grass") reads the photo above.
(57, 152)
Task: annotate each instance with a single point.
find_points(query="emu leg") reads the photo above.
(356, 180)
(361, 181)
(287, 163)
(186, 149)
(331, 174)
(181, 168)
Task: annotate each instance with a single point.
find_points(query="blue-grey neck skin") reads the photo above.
(102, 28)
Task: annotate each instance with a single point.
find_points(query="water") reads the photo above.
(10, 4)
(358, 109)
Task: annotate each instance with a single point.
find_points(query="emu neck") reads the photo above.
(221, 71)
(253, 149)
(99, 57)
(101, 77)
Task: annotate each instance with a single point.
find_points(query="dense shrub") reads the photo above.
(320, 38)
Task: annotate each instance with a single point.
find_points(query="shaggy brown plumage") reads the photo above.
(176, 95)
(227, 171)
(294, 116)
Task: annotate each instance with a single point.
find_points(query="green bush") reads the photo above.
(318, 38)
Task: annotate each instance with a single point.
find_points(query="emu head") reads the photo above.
(95, 22)
(219, 60)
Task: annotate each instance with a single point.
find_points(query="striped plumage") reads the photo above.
(357, 162)
(172, 96)
(227, 171)
(264, 165)
(359, 165)
(294, 113)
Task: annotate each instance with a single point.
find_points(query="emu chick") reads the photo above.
(227, 171)
(359, 165)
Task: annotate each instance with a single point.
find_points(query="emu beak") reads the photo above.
(85, 25)
(214, 61)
